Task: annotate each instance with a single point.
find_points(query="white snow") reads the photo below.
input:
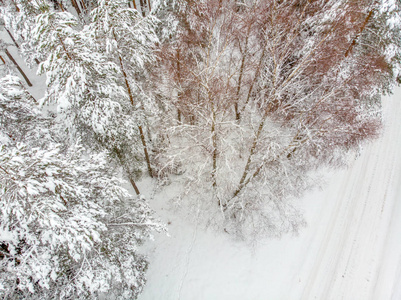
(351, 248)
(38, 87)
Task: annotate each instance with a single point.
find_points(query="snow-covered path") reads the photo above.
(353, 260)
(351, 248)
(360, 250)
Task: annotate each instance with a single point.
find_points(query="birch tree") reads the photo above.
(268, 91)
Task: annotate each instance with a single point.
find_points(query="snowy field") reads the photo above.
(350, 249)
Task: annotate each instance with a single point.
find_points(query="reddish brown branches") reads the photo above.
(282, 72)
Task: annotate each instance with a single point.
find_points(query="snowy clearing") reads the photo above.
(350, 249)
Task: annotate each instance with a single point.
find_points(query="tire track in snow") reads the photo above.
(359, 259)
(373, 224)
(389, 271)
(330, 237)
(349, 258)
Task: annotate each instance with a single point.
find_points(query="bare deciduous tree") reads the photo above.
(266, 91)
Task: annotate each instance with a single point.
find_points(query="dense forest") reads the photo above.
(237, 103)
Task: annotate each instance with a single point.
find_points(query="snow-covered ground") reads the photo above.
(351, 248)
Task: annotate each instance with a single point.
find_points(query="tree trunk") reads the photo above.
(16, 44)
(134, 185)
(131, 97)
(122, 163)
(241, 72)
(18, 67)
(179, 81)
(61, 6)
(242, 182)
(214, 155)
(145, 150)
(236, 111)
(30, 95)
(359, 34)
(75, 4)
(254, 80)
(143, 7)
(11, 36)
(83, 5)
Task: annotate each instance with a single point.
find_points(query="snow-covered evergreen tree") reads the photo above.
(127, 39)
(19, 18)
(84, 84)
(67, 227)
